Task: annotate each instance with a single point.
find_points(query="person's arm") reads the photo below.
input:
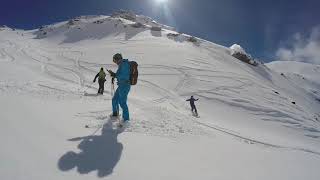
(95, 77)
(112, 74)
(118, 73)
(188, 100)
(196, 99)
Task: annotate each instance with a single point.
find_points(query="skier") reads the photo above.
(123, 81)
(193, 106)
(102, 78)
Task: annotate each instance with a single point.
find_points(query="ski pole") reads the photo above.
(88, 87)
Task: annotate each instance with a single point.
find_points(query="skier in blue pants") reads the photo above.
(123, 81)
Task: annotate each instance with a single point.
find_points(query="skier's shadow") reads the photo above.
(91, 95)
(98, 153)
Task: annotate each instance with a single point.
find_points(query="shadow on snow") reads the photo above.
(99, 153)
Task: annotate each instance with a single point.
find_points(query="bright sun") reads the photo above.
(161, 1)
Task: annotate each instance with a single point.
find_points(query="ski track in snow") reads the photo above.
(78, 68)
(253, 141)
(4, 56)
(164, 122)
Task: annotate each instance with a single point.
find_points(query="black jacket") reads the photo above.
(192, 100)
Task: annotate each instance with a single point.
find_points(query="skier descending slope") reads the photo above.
(101, 80)
(193, 106)
(120, 96)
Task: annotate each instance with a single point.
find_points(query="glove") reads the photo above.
(112, 74)
(94, 81)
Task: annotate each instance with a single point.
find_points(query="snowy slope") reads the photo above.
(304, 75)
(246, 112)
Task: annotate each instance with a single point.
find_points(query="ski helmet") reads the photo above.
(117, 56)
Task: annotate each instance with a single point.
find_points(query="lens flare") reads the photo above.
(161, 1)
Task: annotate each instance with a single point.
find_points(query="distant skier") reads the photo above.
(193, 106)
(102, 78)
(123, 80)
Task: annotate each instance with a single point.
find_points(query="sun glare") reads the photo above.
(161, 1)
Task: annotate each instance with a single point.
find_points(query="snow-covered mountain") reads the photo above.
(256, 122)
(303, 75)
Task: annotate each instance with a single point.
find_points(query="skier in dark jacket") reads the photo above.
(102, 78)
(193, 106)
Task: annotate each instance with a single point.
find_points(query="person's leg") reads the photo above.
(115, 102)
(99, 90)
(123, 96)
(195, 109)
(102, 86)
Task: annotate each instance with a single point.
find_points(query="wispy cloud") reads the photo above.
(302, 48)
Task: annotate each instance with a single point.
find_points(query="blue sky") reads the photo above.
(261, 27)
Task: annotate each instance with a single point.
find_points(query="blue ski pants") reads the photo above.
(120, 98)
